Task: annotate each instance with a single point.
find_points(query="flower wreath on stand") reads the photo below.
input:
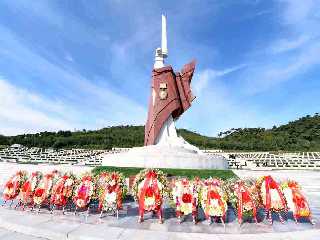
(214, 200)
(272, 197)
(84, 192)
(43, 190)
(150, 187)
(28, 188)
(185, 195)
(13, 185)
(244, 198)
(296, 201)
(111, 192)
(62, 191)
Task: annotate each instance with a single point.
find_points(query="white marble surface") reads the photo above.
(159, 156)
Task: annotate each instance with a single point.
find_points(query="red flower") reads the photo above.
(82, 192)
(151, 174)
(149, 192)
(65, 177)
(39, 192)
(114, 176)
(292, 185)
(111, 188)
(86, 178)
(186, 198)
(273, 184)
(214, 195)
(246, 197)
(26, 186)
(9, 185)
(299, 200)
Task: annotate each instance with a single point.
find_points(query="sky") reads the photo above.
(76, 64)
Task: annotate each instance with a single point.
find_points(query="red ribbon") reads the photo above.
(150, 176)
(244, 197)
(270, 183)
(213, 194)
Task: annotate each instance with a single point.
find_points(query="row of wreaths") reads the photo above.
(151, 187)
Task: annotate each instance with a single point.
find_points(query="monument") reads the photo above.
(171, 96)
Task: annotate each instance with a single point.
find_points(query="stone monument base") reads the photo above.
(161, 156)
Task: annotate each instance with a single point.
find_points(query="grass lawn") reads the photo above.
(190, 173)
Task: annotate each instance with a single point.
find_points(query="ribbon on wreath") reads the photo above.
(186, 196)
(59, 192)
(150, 191)
(112, 189)
(302, 208)
(11, 188)
(244, 197)
(27, 191)
(213, 194)
(270, 183)
(41, 193)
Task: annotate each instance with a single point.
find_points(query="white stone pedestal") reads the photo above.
(160, 156)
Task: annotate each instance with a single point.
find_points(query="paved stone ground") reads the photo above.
(58, 226)
(10, 235)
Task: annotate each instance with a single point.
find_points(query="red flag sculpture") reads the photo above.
(171, 95)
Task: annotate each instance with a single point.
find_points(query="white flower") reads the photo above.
(110, 198)
(68, 182)
(149, 201)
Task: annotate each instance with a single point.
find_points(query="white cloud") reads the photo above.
(203, 78)
(217, 108)
(24, 112)
(68, 57)
(294, 53)
(75, 101)
(285, 45)
(297, 11)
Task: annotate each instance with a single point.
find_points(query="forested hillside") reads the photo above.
(300, 135)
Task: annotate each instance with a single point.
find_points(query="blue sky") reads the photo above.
(87, 64)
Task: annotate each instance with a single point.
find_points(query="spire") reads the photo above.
(162, 53)
(164, 46)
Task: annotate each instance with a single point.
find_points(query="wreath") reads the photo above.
(214, 198)
(111, 188)
(62, 190)
(13, 185)
(84, 191)
(244, 198)
(271, 196)
(44, 188)
(28, 188)
(185, 195)
(296, 201)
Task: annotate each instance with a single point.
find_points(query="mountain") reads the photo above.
(299, 135)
